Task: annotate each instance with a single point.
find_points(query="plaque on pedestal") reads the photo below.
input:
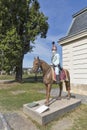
(42, 109)
(32, 104)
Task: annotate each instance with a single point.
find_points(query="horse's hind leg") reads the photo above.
(67, 83)
(48, 90)
(60, 89)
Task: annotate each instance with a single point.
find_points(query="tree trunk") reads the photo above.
(18, 76)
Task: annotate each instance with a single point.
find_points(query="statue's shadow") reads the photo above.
(53, 99)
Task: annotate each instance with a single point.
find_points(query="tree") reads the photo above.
(20, 23)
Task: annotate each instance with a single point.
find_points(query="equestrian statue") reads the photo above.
(48, 78)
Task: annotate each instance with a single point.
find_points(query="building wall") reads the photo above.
(75, 60)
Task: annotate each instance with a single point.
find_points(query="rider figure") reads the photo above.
(55, 61)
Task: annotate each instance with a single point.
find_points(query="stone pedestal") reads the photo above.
(56, 109)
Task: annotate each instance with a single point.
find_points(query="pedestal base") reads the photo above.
(56, 109)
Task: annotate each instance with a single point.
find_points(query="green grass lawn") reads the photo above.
(80, 118)
(6, 77)
(14, 95)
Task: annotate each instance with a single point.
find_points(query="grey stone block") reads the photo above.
(56, 109)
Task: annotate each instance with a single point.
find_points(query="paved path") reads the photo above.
(16, 121)
(55, 92)
(7, 81)
(83, 98)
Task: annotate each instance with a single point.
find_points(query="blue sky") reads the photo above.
(59, 13)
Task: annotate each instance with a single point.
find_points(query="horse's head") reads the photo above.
(36, 64)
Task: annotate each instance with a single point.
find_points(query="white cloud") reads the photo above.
(41, 49)
(59, 13)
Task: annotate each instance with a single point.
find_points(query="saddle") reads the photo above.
(62, 74)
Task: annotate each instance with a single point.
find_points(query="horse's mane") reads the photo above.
(42, 61)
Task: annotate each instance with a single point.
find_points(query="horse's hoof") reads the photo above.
(58, 98)
(46, 103)
(66, 95)
(68, 98)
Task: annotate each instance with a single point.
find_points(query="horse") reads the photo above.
(48, 80)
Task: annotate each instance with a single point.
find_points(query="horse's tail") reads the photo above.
(67, 79)
(67, 75)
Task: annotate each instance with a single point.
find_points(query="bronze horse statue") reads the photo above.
(47, 78)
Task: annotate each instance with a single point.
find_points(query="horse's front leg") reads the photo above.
(48, 90)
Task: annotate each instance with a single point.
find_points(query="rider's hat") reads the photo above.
(54, 48)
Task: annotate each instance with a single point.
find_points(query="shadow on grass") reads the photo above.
(33, 79)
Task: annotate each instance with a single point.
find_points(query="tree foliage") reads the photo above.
(21, 21)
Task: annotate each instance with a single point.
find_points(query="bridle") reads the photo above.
(37, 65)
